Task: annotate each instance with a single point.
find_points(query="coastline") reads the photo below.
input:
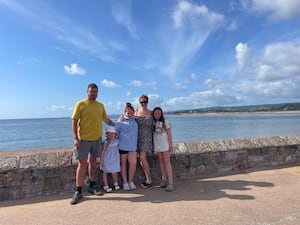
(254, 112)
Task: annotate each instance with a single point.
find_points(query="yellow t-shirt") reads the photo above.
(90, 115)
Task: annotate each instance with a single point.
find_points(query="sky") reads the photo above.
(184, 54)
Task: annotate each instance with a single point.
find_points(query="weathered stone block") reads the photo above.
(8, 163)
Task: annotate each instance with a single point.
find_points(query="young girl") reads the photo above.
(162, 138)
(110, 158)
(128, 134)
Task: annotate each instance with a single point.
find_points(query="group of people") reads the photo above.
(137, 133)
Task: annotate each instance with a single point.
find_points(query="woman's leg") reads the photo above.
(145, 166)
(132, 165)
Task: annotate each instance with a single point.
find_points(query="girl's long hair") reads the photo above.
(161, 119)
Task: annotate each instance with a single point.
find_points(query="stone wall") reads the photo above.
(29, 174)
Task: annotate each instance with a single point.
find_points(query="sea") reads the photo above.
(55, 133)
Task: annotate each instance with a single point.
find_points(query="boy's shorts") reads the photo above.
(87, 148)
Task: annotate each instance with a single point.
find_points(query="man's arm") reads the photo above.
(74, 128)
(109, 122)
(75, 132)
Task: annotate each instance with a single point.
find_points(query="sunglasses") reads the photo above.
(143, 102)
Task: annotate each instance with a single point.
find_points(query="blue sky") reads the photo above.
(183, 54)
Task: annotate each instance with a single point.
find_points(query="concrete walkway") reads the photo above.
(268, 197)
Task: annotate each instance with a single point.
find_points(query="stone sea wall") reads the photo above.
(29, 174)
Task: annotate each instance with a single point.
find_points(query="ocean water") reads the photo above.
(33, 134)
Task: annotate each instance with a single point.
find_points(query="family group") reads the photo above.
(137, 133)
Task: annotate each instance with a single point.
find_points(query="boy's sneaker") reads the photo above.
(126, 187)
(170, 187)
(76, 197)
(132, 186)
(95, 191)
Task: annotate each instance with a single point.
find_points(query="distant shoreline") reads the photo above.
(254, 112)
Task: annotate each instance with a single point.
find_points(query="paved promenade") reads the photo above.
(268, 197)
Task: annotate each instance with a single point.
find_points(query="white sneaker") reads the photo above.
(126, 187)
(107, 189)
(132, 186)
(117, 187)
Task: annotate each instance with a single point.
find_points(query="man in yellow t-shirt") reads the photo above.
(87, 120)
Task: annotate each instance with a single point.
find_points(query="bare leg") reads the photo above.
(80, 173)
(168, 166)
(124, 167)
(104, 178)
(92, 168)
(162, 166)
(115, 177)
(132, 165)
(145, 166)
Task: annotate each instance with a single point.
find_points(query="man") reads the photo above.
(87, 120)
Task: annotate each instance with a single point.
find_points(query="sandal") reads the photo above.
(146, 185)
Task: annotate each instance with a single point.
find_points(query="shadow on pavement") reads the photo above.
(193, 189)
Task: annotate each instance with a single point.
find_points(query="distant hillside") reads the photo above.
(248, 108)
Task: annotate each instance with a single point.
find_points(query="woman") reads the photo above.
(145, 137)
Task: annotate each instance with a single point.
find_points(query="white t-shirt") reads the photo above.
(160, 139)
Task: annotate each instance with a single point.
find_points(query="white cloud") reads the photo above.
(121, 11)
(109, 84)
(60, 108)
(264, 71)
(212, 81)
(269, 90)
(192, 24)
(278, 10)
(187, 14)
(242, 56)
(279, 61)
(74, 69)
(138, 83)
(180, 86)
(200, 99)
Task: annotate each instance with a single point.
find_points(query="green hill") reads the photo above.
(248, 108)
